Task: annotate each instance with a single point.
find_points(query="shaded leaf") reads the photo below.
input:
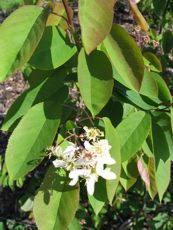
(138, 100)
(44, 85)
(167, 42)
(53, 50)
(95, 80)
(99, 198)
(56, 201)
(152, 62)
(162, 149)
(129, 173)
(163, 90)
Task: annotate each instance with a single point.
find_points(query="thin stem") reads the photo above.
(68, 15)
(89, 118)
(65, 19)
(65, 139)
(70, 22)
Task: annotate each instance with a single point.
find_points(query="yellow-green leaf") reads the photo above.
(20, 34)
(125, 56)
(95, 17)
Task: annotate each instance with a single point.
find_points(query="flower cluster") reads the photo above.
(86, 160)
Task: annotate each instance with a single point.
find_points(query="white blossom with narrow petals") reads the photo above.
(87, 161)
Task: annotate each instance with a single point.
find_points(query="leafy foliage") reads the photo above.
(97, 107)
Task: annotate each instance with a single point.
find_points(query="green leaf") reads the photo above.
(113, 107)
(159, 6)
(95, 19)
(129, 173)
(112, 136)
(152, 62)
(56, 201)
(33, 134)
(17, 43)
(53, 50)
(126, 57)
(43, 86)
(95, 80)
(163, 176)
(167, 42)
(2, 226)
(162, 132)
(140, 101)
(99, 198)
(163, 150)
(164, 93)
(132, 131)
(75, 225)
(149, 86)
(152, 189)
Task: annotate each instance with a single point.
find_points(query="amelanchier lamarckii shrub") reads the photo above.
(94, 105)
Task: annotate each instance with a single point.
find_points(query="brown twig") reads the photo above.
(70, 23)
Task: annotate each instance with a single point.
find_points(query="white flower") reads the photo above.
(76, 173)
(90, 183)
(135, 1)
(91, 178)
(87, 161)
(66, 158)
(92, 134)
(105, 173)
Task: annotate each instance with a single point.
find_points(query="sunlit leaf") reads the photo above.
(56, 201)
(132, 131)
(95, 80)
(112, 136)
(35, 132)
(125, 56)
(95, 19)
(54, 49)
(17, 43)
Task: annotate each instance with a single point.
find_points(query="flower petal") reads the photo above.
(59, 163)
(70, 151)
(107, 159)
(107, 174)
(88, 146)
(90, 182)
